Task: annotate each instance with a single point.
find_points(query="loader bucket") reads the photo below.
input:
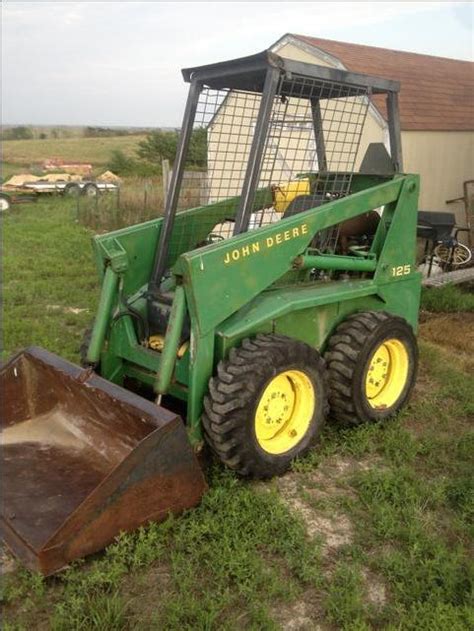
(83, 459)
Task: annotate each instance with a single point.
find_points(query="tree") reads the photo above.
(197, 154)
(161, 145)
(157, 146)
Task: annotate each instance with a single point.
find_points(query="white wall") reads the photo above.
(444, 160)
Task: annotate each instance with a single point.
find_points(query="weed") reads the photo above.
(344, 603)
(103, 612)
(22, 586)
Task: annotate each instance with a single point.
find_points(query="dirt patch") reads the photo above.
(302, 492)
(376, 590)
(452, 332)
(301, 615)
(73, 310)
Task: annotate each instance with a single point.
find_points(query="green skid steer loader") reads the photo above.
(278, 288)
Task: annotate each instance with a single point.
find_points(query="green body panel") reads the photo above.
(258, 281)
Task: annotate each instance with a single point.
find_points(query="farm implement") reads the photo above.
(289, 295)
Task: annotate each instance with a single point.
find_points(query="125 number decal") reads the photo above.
(401, 270)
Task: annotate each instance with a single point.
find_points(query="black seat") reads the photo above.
(435, 226)
(302, 203)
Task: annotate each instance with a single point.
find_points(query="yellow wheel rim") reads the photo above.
(387, 374)
(284, 411)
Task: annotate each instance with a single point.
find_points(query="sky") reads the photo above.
(118, 63)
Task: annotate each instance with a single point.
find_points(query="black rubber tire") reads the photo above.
(234, 395)
(90, 190)
(348, 357)
(72, 190)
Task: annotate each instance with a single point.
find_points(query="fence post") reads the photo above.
(165, 170)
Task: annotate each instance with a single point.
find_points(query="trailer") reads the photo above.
(89, 188)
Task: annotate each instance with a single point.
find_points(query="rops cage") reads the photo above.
(280, 137)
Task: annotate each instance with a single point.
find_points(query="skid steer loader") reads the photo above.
(243, 307)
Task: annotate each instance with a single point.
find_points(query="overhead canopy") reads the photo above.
(248, 74)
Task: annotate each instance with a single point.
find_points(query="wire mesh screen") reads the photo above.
(309, 157)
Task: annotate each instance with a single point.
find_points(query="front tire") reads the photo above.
(5, 202)
(372, 361)
(266, 406)
(72, 190)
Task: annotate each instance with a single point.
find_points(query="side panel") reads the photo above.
(309, 325)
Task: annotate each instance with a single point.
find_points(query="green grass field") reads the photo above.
(373, 530)
(94, 150)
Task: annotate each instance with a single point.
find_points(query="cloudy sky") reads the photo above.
(118, 63)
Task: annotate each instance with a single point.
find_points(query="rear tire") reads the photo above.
(372, 361)
(90, 190)
(266, 406)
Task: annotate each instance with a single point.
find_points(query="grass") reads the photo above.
(244, 559)
(50, 285)
(96, 151)
(447, 299)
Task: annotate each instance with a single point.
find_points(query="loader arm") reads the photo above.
(242, 267)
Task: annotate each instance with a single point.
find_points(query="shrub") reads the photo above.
(123, 165)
